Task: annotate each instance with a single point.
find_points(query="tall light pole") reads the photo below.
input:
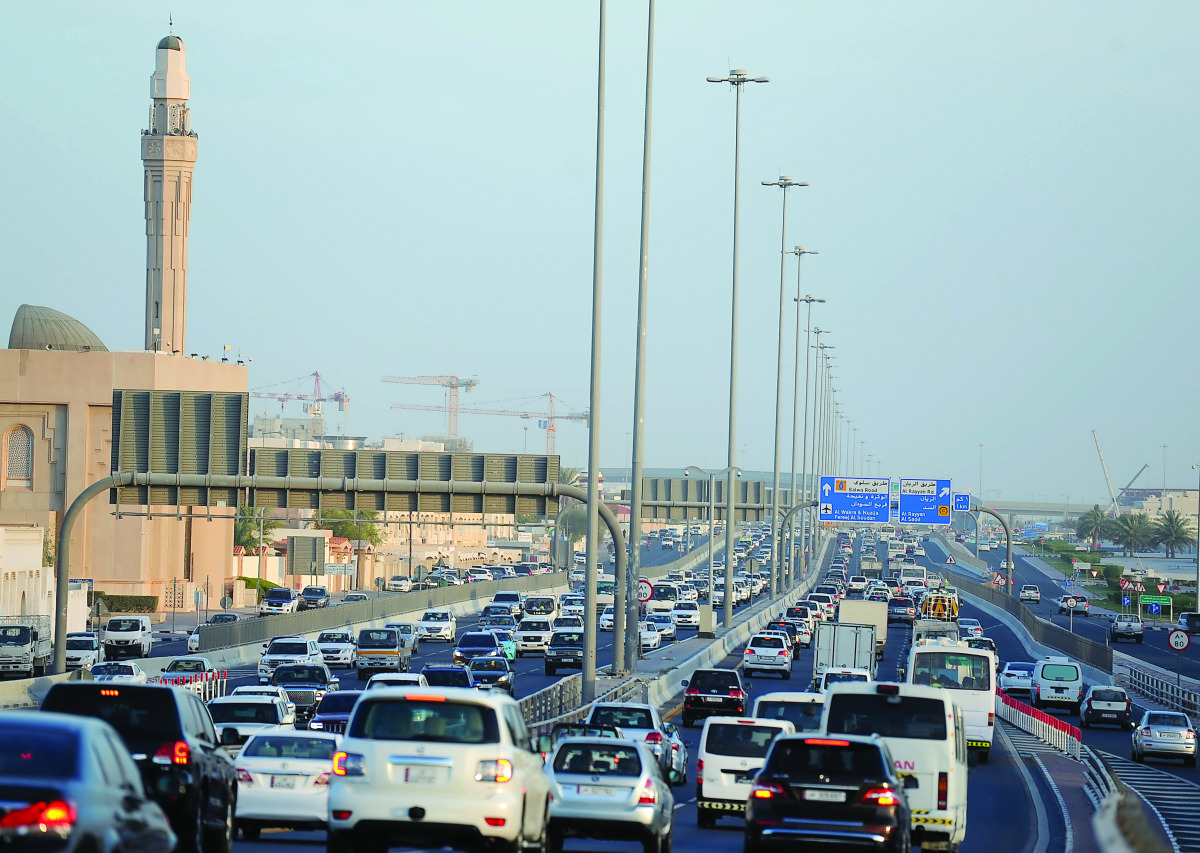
(712, 511)
(625, 624)
(808, 300)
(1194, 467)
(737, 78)
(775, 585)
(593, 491)
(811, 446)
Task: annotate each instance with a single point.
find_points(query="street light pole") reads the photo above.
(1195, 467)
(712, 511)
(737, 79)
(808, 300)
(775, 585)
(625, 648)
(810, 449)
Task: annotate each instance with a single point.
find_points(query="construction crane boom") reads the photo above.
(315, 399)
(1131, 482)
(547, 420)
(1112, 509)
(452, 384)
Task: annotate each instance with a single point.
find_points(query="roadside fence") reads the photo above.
(206, 685)
(1052, 730)
(1158, 688)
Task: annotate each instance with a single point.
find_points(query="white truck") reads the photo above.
(862, 612)
(25, 643)
(870, 568)
(841, 645)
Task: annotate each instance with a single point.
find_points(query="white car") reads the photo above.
(572, 605)
(651, 638)
(768, 652)
(1016, 677)
(533, 635)
(125, 672)
(84, 650)
(1030, 592)
(397, 679)
(337, 648)
(265, 690)
(665, 623)
(288, 650)
(399, 583)
(352, 597)
(283, 780)
(686, 614)
(568, 622)
(193, 640)
(437, 625)
(919, 551)
(606, 619)
(970, 628)
(462, 757)
(248, 715)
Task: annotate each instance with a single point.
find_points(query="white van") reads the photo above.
(666, 596)
(895, 549)
(970, 674)
(1057, 682)
(128, 637)
(732, 751)
(923, 728)
(802, 710)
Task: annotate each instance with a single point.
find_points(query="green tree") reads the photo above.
(250, 522)
(1174, 531)
(352, 524)
(1132, 532)
(568, 476)
(1092, 524)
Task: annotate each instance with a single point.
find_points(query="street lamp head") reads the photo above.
(761, 80)
(717, 79)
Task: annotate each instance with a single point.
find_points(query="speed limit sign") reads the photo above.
(645, 590)
(1071, 603)
(1178, 639)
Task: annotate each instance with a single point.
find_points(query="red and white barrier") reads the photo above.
(206, 685)
(1045, 727)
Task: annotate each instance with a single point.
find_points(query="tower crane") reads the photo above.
(547, 420)
(1131, 482)
(314, 400)
(1112, 509)
(452, 384)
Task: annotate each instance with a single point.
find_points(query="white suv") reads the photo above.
(437, 625)
(427, 768)
(288, 650)
(1057, 681)
(769, 652)
(533, 635)
(1030, 592)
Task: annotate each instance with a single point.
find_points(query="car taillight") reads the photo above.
(991, 718)
(244, 776)
(173, 752)
(883, 797)
(943, 790)
(654, 737)
(783, 651)
(321, 780)
(348, 764)
(57, 816)
(339, 814)
(498, 770)
(1191, 735)
(699, 766)
(767, 790)
(648, 795)
(735, 693)
(1146, 731)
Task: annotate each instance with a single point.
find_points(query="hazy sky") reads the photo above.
(1002, 197)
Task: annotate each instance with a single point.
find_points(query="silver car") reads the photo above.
(1165, 734)
(608, 789)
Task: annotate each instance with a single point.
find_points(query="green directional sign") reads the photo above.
(1155, 599)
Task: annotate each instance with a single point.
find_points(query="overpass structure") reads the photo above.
(1047, 509)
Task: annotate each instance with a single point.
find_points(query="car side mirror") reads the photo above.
(911, 782)
(544, 744)
(229, 736)
(684, 683)
(334, 684)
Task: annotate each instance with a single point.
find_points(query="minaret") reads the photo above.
(168, 155)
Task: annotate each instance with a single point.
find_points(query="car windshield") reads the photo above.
(489, 665)
(802, 759)
(244, 712)
(447, 677)
(422, 720)
(38, 752)
(283, 746)
(300, 674)
(394, 680)
(377, 638)
(112, 669)
(805, 716)
(534, 625)
(81, 643)
(567, 638)
(1060, 672)
(121, 625)
(333, 637)
(223, 618)
(589, 759)
(687, 605)
(283, 648)
(709, 679)
(186, 666)
(17, 635)
(436, 616)
(887, 715)
(313, 590)
(834, 677)
(739, 739)
(503, 636)
(278, 594)
(338, 702)
(622, 717)
(952, 670)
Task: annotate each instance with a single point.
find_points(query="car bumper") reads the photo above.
(1161, 747)
(308, 808)
(842, 833)
(592, 821)
(381, 662)
(389, 811)
(532, 645)
(345, 658)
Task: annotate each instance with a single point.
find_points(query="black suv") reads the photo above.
(305, 684)
(313, 596)
(565, 649)
(713, 693)
(175, 745)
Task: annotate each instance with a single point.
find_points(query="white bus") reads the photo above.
(895, 549)
(970, 675)
(914, 573)
(886, 532)
(605, 592)
(923, 729)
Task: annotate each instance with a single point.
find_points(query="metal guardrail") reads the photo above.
(1160, 690)
(206, 685)
(629, 690)
(1052, 730)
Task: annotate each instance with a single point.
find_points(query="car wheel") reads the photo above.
(191, 834)
(1137, 758)
(250, 831)
(1083, 721)
(220, 840)
(551, 670)
(359, 673)
(750, 843)
(1139, 640)
(541, 843)
(787, 674)
(985, 755)
(554, 840)
(688, 721)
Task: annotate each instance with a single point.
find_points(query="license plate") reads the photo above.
(1108, 716)
(824, 796)
(421, 775)
(569, 660)
(596, 790)
(745, 777)
(283, 781)
(1170, 735)
(712, 698)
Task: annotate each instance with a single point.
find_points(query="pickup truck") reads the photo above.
(1126, 626)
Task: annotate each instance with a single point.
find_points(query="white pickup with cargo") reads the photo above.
(840, 645)
(870, 568)
(862, 612)
(24, 645)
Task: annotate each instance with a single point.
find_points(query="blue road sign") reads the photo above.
(1154, 608)
(1068, 584)
(1126, 601)
(1041, 527)
(924, 502)
(857, 499)
(962, 502)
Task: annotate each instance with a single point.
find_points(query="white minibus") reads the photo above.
(970, 675)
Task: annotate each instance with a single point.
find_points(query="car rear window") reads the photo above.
(808, 757)
(598, 760)
(767, 643)
(480, 639)
(1108, 695)
(38, 752)
(338, 703)
(135, 711)
(1060, 672)
(244, 712)
(283, 746)
(900, 601)
(741, 740)
(887, 715)
(447, 677)
(1178, 720)
(626, 718)
(279, 595)
(288, 649)
(805, 716)
(421, 720)
(707, 679)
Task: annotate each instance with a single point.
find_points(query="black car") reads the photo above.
(222, 618)
(175, 746)
(447, 675)
(313, 596)
(493, 673)
(840, 790)
(305, 684)
(333, 711)
(713, 692)
(55, 798)
(565, 649)
(787, 627)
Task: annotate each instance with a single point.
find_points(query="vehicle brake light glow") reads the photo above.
(820, 741)
(347, 764)
(339, 814)
(494, 821)
(766, 790)
(416, 697)
(173, 752)
(654, 737)
(735, 693)
(1191, 734)
(110, 692)
(881, 797)
(691, 691)
(889, 689)
(57, 815)
(991, 718)
(649, 796)
(943, 790)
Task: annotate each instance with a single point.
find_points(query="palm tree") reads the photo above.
(568, 476)
(1174, 531)
(1132, 532)
(251, 522)
(1092, 524)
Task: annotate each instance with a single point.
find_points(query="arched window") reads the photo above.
(18, 457)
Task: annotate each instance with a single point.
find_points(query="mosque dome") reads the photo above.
(171, 43)
(37, 327)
